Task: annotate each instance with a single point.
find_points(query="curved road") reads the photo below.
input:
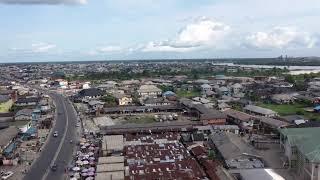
(57, 150)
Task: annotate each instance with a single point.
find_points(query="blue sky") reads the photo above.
(60, 30)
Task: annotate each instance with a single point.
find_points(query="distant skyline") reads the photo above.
(82, 30)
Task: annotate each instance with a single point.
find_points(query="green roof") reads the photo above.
(306, 140)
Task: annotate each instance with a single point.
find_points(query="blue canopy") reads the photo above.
(10, 148)
(317, 108)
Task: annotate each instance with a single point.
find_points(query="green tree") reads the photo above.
(211, 154)
(289, 79)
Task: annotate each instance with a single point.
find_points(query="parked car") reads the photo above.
(7, 175)
(55, 134)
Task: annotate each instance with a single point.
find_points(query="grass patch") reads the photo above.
(139, 119)
(188, 94)
(284, 109)
(291, 109)
(5, 107)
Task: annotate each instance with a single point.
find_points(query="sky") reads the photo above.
(77, 30)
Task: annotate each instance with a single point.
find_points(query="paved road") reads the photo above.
(58, 150)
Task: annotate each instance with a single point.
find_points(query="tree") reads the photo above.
(211, 154)
(109, 100)
(289, 79)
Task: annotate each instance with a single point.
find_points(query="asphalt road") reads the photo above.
(58, 150)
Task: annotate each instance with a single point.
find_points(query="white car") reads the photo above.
(7, 175)
(55, 134)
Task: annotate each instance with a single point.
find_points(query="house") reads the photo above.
(123, 99)
(223, 106)
(283, 98)
(95, 105)
(213, 117)
(6, 117)
(27, 101)
(156, 102)
(149, 91)
(260, 111)
(294, 119)
(205, 88)
(223, 91)
(206, 115)
(301, 148)
(91, 93)
(236, 88)
(24, 115)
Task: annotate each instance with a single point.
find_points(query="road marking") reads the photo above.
(61, 142)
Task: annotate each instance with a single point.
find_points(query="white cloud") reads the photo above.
(40, 47)
(51, 2)
(201, 33)
(281, 37)
(108, 49)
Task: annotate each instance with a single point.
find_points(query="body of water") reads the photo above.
(294, 70)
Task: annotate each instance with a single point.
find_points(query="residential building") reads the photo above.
(283, 98)
(123, 99)
(95, 104)
(24, 115)
(156, 102)
(91, 93)
(301, 148)
(28, 101)
(205, 88)
(149, 91)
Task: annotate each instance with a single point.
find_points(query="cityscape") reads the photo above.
(159, 90)
(158, 120)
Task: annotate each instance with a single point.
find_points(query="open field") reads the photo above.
(188, 94)
(291, 109)
(5, 107)
(139, 119)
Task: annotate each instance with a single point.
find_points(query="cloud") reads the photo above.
(106, 50)
(35, 48)
(280, 37)
(50, 2)
(42, 47)
(201, 33)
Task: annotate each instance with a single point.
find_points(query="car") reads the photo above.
(54, 167)
(7, 175)
(78, 125)
(55, 134)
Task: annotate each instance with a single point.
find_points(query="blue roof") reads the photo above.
(10, 148)
(317, 108)
(31, 131)
(169, 93)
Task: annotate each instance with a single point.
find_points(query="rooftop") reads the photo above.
(259, 110)
(306, 140)
(113, 142)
